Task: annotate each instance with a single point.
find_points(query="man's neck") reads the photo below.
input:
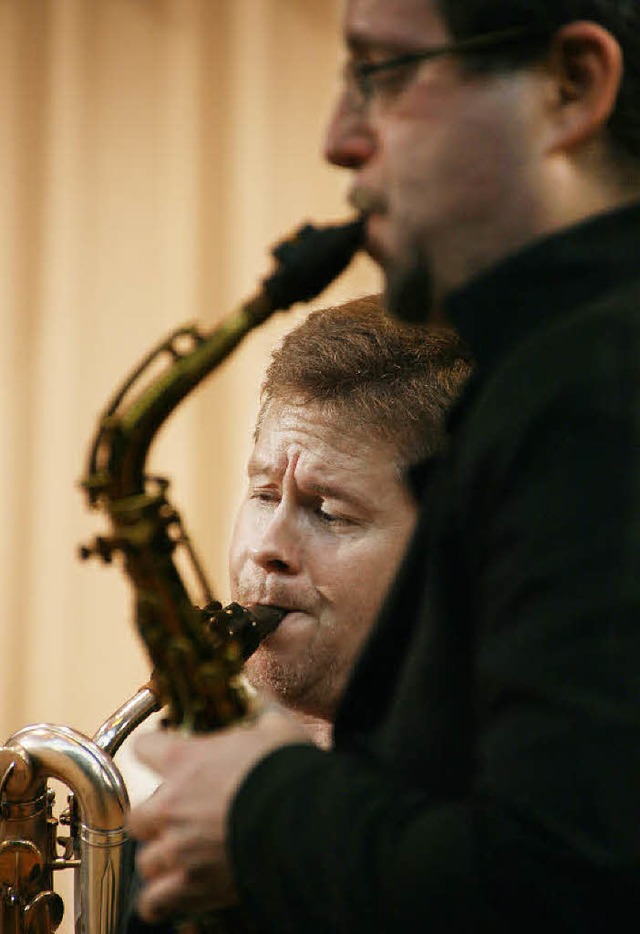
(318, 729)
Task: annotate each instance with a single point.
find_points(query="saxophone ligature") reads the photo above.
(196, 654)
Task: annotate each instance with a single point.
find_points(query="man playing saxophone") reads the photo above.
(486, 760)
(350, 400)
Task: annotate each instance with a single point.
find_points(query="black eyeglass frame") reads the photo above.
(362, 72)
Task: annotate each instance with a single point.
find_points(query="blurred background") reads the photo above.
(151, 153)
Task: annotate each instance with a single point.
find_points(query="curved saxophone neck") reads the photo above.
(198, 679)
(305, 265)
(63, 753)
(118, 727)
(118, 456)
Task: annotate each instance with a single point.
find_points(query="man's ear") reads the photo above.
(586, 66)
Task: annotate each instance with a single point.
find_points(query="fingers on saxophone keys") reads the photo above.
(143, 823)
(172, 887)
(158, 858)
(162, 897)
(152, 817)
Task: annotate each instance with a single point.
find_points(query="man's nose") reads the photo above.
(349, 140)
(276, 547)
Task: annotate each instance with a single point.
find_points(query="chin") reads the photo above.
(271, 677)
(409, 293)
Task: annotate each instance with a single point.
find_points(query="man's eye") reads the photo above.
(327, 516)
(390, 83)
(334, 519)
(265, 496)
(389, 80)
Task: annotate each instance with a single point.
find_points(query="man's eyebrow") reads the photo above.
(360, 44)
(257, 465)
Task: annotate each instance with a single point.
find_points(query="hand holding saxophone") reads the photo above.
(183, 859)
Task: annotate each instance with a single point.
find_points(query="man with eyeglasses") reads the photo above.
(486, 770)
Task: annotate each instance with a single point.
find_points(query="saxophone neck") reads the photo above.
(118, 727)
(306, 264)
(198, 677)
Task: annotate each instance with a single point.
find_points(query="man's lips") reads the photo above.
(258, 594)
(291, 613)
(292, 620)
(375, 241)
(373, 210)
(366, 201)
(285, 608)
(372, 242)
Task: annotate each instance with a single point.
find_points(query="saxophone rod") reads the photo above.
(249, 626)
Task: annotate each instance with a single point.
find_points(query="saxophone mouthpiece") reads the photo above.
(265, 620)
(310, 260)
(247, 626)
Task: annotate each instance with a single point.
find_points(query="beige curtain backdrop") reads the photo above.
(151, 151)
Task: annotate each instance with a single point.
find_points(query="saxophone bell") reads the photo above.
(96, 849)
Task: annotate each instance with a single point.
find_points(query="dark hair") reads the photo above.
(621, 18)
(393, 380)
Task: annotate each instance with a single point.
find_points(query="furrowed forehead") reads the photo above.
(337, 429)
(327, 466)
(352, 421)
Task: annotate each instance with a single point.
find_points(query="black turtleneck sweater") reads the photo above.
(487, 762)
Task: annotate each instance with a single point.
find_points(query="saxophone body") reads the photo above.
(196, 655)
(95, 850)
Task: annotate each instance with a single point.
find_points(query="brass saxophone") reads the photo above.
(196, 654)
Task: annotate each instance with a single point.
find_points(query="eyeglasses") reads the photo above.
(383, 81)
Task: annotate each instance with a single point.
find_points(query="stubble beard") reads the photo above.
(409, 292)
(306, 688)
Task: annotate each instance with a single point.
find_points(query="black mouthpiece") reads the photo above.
(247, 625)
(310, 260)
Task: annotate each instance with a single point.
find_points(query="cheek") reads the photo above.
(426, 173)
(362, 580)
(239, 544)
(449, 153)
(357, 598)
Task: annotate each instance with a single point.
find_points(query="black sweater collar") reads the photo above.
(539, 284)
(544, 281)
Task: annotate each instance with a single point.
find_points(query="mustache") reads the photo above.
(366, 201)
